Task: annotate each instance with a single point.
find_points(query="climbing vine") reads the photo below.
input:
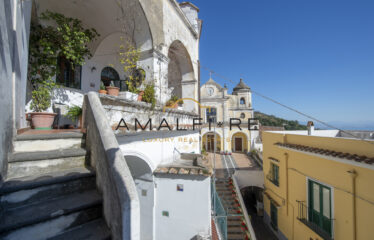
(62, 37)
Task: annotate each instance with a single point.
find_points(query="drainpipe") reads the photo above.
(353, 174)
(286, 157)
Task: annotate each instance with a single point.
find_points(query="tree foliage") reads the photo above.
(271, 120)
(128, 57)
(63, 36)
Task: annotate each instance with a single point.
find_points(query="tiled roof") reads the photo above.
(330, 153)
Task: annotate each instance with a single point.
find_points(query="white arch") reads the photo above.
(141, 156)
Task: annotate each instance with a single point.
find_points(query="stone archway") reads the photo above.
(181, 74)
(239, 142)
(143, 178)
(208, 142)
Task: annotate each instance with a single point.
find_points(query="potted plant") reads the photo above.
(140, 95)
(41, 101)
(74, 113)
(102, 89)
(170, 103)
(173, 102)
(65, 38)
(112, 90)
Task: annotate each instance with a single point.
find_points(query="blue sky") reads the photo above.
(314, 55)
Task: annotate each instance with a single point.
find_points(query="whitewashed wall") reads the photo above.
(159, 147)
(189, 211)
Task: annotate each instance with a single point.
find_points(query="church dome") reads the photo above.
(241, 86)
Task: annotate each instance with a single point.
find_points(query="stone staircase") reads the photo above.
(236, 226)
(50, 192)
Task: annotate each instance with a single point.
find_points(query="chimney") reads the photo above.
(310, 126)
(191, 12)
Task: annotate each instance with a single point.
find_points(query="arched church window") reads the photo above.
(242, 115)
(242, 101)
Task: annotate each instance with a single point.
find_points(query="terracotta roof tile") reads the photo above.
(343, 155)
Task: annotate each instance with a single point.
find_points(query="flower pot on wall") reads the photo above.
(112, 91)
(103, 91)
(140, 96)
(42, 120)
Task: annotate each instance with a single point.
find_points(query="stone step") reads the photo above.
(34, 181)
(44, 155)
(56, 226)
(22, 165)
(45, 211)
(234, 229)
(25, 191)
(47, 144)
(236, 236)
(94, 230)
(58, 135)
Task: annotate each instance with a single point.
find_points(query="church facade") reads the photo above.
(222, 110)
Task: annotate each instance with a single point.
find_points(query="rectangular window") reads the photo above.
(211, 114)
(274, 174)
(274, 216)
(67, 74)
(320, 206)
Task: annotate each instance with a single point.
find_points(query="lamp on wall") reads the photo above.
(93, 69)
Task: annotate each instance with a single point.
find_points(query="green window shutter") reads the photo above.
(275, 174)
(274, 216)
(320, 206)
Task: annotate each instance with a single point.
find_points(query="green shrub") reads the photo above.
(149, 95)
(74, 113)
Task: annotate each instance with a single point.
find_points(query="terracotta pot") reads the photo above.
(42, 120)
(112, 91)
(140, 96)
(103, 91)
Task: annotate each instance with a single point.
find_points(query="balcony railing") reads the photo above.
(317, 222)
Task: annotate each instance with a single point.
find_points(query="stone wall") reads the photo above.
(14, 32)
(113, 177)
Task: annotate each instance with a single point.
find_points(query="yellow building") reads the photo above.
(318, 186)
(223, 107)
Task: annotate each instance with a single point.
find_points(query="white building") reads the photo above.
(173, 189)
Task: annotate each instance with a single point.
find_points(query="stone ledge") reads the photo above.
(118, 101)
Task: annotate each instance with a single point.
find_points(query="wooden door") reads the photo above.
(238, 145)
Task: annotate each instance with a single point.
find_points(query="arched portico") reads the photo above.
(181, 74)
(143, 178)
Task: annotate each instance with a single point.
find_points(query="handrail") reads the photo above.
(120, 199)
(245, 213)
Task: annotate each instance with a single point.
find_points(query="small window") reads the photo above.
(211, 114)
(242, 115)
(274, 174)
(110, 77)
(68, 75)
(242, 101)
(274, 216)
